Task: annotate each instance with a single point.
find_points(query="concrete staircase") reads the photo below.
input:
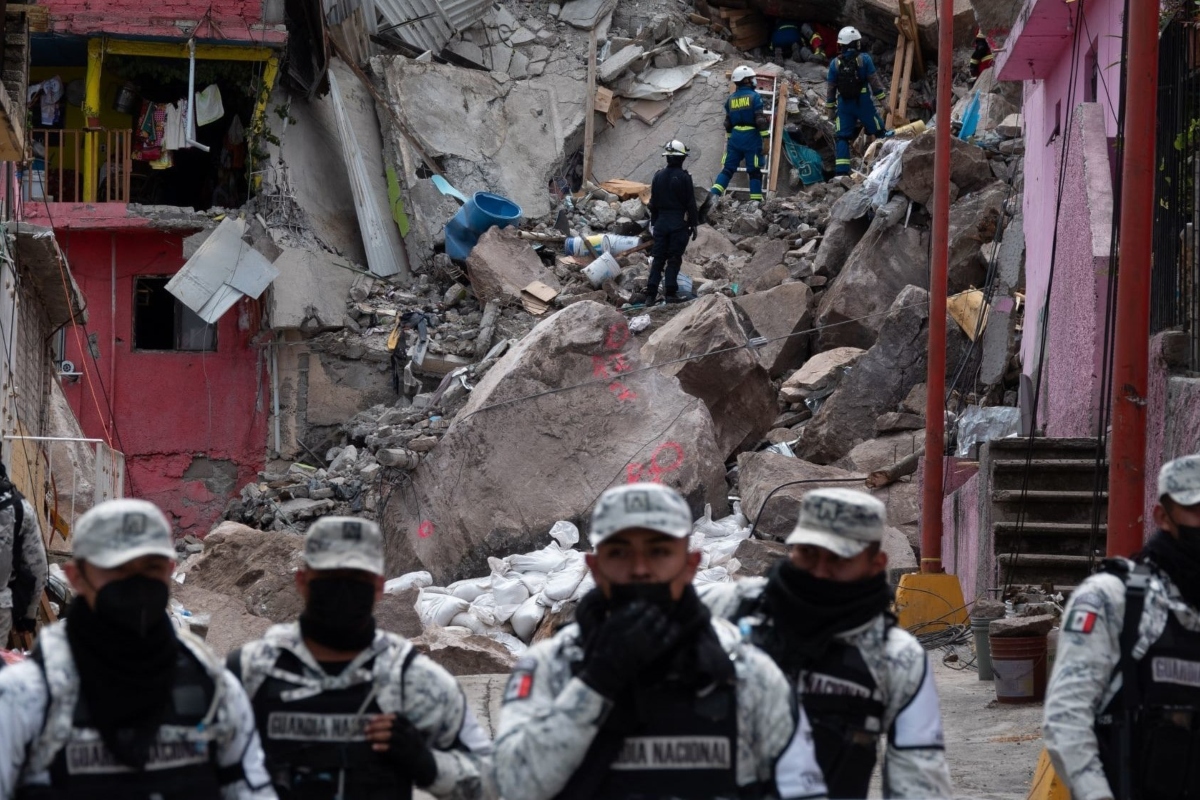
(1054, 542)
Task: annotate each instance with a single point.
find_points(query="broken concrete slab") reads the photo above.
(731, 382)
(888, 258)
(818, 372)
(759, 474)
(585, 14)
(311, 290)
(775, 314)
(879, 381)
(502, 264)
(1022, 626)
(969, 168)
(528, 458)
(615, 65)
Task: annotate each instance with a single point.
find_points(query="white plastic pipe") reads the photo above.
(191, 99)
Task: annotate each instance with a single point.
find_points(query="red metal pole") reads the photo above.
(935, 385)
(1131, 355)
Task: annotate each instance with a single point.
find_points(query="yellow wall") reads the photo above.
(73, 119)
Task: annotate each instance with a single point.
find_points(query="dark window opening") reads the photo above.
(1092, 71)
(162, 322)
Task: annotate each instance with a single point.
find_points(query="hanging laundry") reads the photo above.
(174, 135)
(235, 143)
(209, 107)
(150, 132)
(51, 91)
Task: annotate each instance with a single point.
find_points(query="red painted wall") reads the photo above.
(170, 407)
(235, 20)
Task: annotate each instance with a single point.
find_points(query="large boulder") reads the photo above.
(761, 473)
(818, 373)
(253, 565)
(758, 556)
(461, 652)
(848, 223)
(765, 269)
(973, 223)
(733, 385)
(502, 264)
(566, 413)
(879, 381)
(889, 257)
(775, 314)
(881, 453)
(969, 168)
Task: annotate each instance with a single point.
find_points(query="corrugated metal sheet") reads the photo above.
(430, 33)
(465, 13)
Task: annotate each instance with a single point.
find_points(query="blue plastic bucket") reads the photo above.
(485, 210)
(460, 239)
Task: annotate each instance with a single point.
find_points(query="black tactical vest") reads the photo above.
(84, 769)
(849, 84)
(1165, 745)
(843, 704)
(316, 746)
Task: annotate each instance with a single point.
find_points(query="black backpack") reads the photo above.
(849, 85)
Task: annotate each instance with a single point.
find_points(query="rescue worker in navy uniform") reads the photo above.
(673, 218)
(824, 615)
(854, 86)
(1122, 716)
(347, 712)
(746, 125)
(647, 696)
(805, 42)
(115, 702)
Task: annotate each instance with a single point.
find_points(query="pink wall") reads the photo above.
(234, 20)
(192, 425)
(961, 519)
(1047, 34)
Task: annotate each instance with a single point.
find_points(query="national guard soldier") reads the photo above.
(824, 615)
(647, 696)
(115, 702)
(1123, 705)
(347, 712)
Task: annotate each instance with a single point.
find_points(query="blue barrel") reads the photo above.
(483, 211)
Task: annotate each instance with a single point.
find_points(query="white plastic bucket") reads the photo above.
(602, 269)
(600, 243)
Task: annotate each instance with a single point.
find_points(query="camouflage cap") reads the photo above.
(344, 543)
(1180, 480)
(842, 521)
(640, 505)
(116, 532)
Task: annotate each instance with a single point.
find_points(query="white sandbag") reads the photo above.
(733, 566)
(411, 580)
(527, 618)
(470, 622)
(586, 585)
(510, 642)
(565, 533)
(714, 575)
(438, 608)
(484, 609)
(546, 560)
(470, 588)
(721, 551)
(534, 581)
(561, 583)
(509, 590)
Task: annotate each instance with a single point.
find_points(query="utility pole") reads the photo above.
(935, 385)
(1131, 354)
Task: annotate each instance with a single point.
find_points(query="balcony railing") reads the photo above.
(56, 174)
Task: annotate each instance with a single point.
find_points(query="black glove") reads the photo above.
(408, 753)
(694, 233)
(630, 639)
(24, 625)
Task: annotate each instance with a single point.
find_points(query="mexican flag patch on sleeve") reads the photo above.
(1080, 621)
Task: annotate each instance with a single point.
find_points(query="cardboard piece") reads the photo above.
(967, 308)
(627, 190)
(649, 111)
(536, 297)
(603, 101)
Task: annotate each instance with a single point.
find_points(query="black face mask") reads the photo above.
(653, 594)
(338, 614)
(135, 604)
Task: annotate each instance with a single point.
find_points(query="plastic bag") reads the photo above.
(712, 575)
(437, 607)
(721, 551)
(886, 172)
(565, 534)
(471, 588)
(980, 424)
(411, 580)
(527, 618)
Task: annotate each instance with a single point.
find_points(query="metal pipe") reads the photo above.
(1131, 353)
(935, 402)
(191, 99)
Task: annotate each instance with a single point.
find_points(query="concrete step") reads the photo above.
(1045, 474)
(1045, 505)
(1042, 448)
(1040, 568)
(1051, 538)
(1047, 496)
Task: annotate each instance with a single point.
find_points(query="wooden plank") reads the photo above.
(909, 12)
(909, 54)
(699, 20)
(777, 135)
(894, 94)
(589, 118)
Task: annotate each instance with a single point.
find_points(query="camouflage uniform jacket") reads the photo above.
(544, 735)
(915, 759)
(1086, 677)
(423, 692)
(37, 714)
(22, 554)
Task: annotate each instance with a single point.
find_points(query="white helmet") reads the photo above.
(675, 148)
(848, 35)
(742, 73)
